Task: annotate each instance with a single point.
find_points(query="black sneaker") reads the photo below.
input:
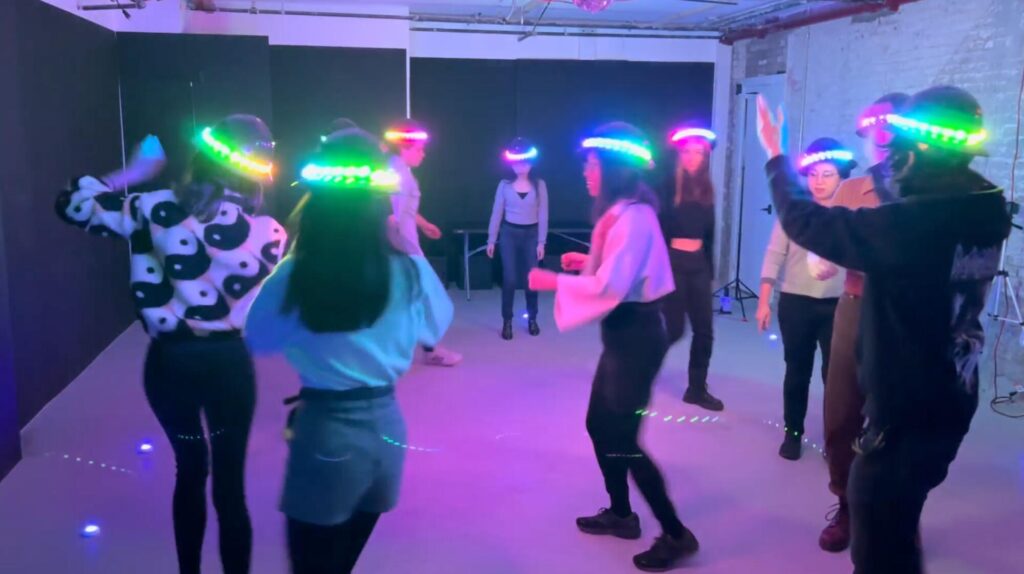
(703, 399)
(667, 552)
(607, 523)
(506, 331)
(791, 448)
(534, 327)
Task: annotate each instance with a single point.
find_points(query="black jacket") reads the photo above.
(929, 261)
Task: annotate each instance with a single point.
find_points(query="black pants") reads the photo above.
(185, 380)
(518, 247)
(635, 344)
(691, 300)
(806, 324)
(887, 489)
(315, 549)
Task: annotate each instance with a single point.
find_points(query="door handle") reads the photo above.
(767, 209)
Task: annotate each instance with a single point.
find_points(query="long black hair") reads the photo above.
(622, 176)
(209, 179)
(341, 279)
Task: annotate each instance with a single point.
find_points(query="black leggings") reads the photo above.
(183, 380)
(691, 299)
(635, 344)
(806, 324)
(518, 247)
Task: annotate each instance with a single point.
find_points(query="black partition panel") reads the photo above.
(474, 107)
(559, 101)
(172, 85)
(313, 86)
(469, 107)
(68, 290)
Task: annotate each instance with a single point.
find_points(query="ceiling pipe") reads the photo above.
(807, 19)
(470, 20)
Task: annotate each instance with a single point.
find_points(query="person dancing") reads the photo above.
(521, 214)
(809, 290)
(929, 260)
(198, 257)
(348, 308)
(407, 140)
(622, 282)
(688, 223)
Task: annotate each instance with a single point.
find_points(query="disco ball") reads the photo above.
(592, 5)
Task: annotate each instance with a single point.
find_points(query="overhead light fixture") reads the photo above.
(593, 5)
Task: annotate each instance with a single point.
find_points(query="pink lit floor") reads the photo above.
(501, 468)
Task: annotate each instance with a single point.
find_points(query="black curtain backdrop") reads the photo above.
(174, 85)
(68, 291)
(474, 107)
(311, 87)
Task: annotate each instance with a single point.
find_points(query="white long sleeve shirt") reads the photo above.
(628, 262)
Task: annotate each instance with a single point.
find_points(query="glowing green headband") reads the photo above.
(624, 147)
(937, 134)
(348, 176)
(233, 157)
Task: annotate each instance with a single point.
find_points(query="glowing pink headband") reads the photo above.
(687, 133)
(402, 136)
(524, 156)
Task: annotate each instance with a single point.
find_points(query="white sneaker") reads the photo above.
(441, 357)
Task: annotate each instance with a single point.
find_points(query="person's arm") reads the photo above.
(860, 240)
(709, 243)
(497, 212)
(432, 304)
(267, 328)
(96, 209)
(580, 299)
(542, 213)
(774, 256)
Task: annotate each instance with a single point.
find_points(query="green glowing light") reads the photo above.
(234, 157)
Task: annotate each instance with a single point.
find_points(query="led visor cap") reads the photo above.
(683, 134)
(622, 141)
(826, 150)
(241, 143)
(406, 132)
(944, 117)
(520, 150)
(350, 159)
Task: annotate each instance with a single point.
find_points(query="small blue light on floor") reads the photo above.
(90, 531)
(526, 315)
(145, 447)
(773, 337)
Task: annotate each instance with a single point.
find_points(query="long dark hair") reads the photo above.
(622, 177)
(203, 189)
(208, 179)
(696, 187)
(341, 280)
(342, 276)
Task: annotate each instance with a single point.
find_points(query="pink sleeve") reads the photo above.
(580, 299)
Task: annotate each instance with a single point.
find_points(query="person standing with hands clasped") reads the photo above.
(521, 214)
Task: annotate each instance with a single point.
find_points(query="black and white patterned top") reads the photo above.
(188, 278)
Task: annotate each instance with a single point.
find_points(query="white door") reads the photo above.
(754, 215)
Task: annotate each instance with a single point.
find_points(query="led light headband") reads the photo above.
(872, 121)
(524, 156)
(687, 133)
(350, 176)
(241, 160)
(402, 136)
(938, 134)
(625, 147)
(830, 155)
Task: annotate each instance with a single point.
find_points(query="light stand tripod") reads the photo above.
(741, 292)
(1002, 281)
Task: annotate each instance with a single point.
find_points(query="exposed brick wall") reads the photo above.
(836, 68)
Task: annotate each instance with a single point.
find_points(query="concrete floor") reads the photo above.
(505, 467)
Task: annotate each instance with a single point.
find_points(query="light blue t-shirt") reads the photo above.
(418, 312)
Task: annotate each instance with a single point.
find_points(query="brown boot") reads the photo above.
(836, 536)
